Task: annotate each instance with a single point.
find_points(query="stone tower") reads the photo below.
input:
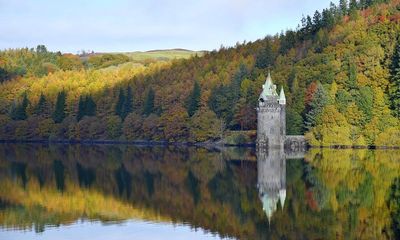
(271, 116)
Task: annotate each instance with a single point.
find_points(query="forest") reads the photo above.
(340, 69)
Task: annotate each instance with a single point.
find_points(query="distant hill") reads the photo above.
(162, 55)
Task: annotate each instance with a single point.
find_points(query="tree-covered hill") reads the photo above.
(340, 70)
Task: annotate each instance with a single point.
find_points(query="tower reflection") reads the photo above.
(271, 180)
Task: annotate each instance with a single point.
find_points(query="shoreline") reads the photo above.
(166, 143)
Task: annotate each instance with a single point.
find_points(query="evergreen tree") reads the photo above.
(328, 19)
(265, 57)
(343, 7)
(128, 103)
(353, 6)
(292, 77)
(90, 106)
(352, 81)
(395, 80)
(86, 107)
(317, 19)
(220, 101)
(148, 107)
(40, 108)
(316, 106)
(120, 103)
(81, 109)
(19, 112)
(59, 112)
(237, 82)
(287, 41)
(193, 102)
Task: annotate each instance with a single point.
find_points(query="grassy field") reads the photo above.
(162, 55)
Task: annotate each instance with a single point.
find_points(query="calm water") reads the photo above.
(127, 192)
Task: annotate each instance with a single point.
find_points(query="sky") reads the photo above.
(123, 25)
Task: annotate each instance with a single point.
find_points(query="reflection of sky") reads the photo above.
(126, 25)
(127, 230)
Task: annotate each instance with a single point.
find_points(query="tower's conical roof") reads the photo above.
(269, 89)
(282, 98)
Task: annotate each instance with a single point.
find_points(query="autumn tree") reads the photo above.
(395, 81)
(132, 126)
(175, 124)
(114, 127)
(204, 125)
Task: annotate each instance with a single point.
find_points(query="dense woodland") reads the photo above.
(340, 70)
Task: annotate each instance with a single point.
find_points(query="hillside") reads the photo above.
(147, 57)
(162, 55)
(340, 71)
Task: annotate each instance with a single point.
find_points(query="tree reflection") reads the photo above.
(347, 194)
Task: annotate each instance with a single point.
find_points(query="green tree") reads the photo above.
(237, 82)
(193, 101)
(86, 107)
(120, 103)
(148, 107)
(352, 81)
(316, 106)
(353, 6)
(19, 111)
(395, 81)
(220, 101)
(343, 6)
(59, 112)
(128, 103)
(40, 107)
(265, 56)
(294, 123)
(81, 109)
(90, 106)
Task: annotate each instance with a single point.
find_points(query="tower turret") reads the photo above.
(282, 98)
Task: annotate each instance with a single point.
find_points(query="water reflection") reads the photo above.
(238, 193)
(271, 181)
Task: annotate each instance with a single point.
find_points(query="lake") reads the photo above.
(130, 192)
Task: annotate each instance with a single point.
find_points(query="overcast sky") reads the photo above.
(122, 25)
